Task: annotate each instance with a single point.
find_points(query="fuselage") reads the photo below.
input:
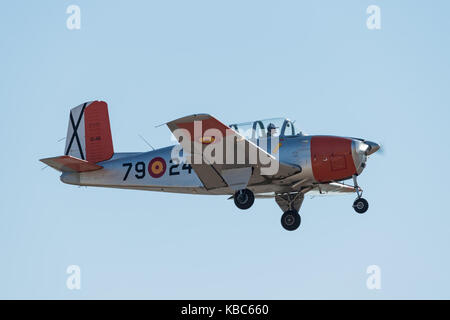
(265, 158)
(321, 159)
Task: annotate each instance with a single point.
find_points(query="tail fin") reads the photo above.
(89, 133)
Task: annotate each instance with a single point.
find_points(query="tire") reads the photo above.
(243, 199)
(290, 220)
(360, 205)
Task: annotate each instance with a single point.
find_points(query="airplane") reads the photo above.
(261, 159)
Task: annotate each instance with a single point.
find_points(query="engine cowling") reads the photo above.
(332, 158)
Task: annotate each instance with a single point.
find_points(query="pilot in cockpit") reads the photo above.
(271, 130)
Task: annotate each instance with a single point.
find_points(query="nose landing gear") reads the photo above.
(360, 204)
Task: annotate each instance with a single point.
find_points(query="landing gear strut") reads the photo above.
(290, 203)
(243, 199)
(360, 204)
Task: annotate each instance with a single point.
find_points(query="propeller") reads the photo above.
(373, 147)
(370, 147)
(382, 150)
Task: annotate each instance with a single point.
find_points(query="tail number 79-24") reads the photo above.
(139, 169)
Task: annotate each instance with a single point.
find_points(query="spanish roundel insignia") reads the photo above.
(157, 167)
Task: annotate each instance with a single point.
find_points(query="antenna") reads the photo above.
(45, 167)
(146, 141)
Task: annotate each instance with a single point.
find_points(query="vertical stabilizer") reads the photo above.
(89, 132)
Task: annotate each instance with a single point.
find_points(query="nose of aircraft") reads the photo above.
(373, 147)
(361, 149)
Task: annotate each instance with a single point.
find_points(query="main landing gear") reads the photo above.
(290, 220)
(290, 203)
(360, 204)
(243, 199)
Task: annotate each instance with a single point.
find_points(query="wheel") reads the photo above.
(360, 205)
(290, 220)
(243, 199)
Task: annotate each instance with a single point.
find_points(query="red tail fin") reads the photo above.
(89, 133)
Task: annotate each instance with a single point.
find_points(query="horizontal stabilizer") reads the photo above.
(70, 164)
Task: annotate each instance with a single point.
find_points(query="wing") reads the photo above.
(222, 157)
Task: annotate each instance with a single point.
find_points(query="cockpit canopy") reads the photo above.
(263, 128)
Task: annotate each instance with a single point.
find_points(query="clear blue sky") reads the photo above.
(153, 61)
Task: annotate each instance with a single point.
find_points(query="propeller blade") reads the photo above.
(372, 147)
